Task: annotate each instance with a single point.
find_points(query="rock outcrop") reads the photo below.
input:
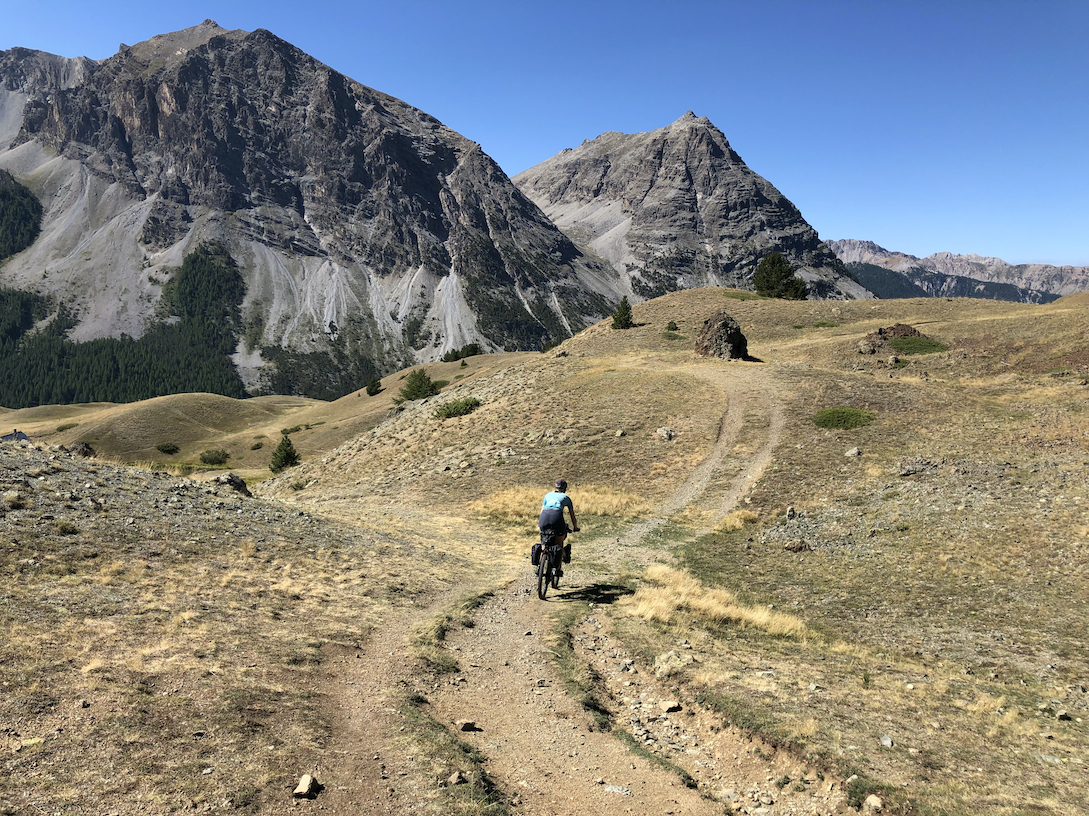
(677, 208)
(721, 337)
(355, 218)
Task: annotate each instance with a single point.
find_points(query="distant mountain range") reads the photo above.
(338, 234)
(943, 274)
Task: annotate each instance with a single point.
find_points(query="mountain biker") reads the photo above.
(551, 522)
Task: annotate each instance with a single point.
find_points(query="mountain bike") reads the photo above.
(548, 568)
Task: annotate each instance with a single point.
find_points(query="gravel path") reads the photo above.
(543, 748)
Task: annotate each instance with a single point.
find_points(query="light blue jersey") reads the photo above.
(556, 501)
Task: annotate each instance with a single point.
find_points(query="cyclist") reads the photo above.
(551, 522)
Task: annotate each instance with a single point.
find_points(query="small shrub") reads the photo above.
(456, 408)
(843, 419)
(298, 485)
(671, 326)
(169, 448)
(374, 387)
(284, 456)
(215, 456)
(66, 528)
(917, 345)
(66, 426)
(291, 430)
(257, 446)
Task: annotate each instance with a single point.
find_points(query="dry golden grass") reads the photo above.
(943, 606)
(523, 504)
(668, 593)
(736, 520)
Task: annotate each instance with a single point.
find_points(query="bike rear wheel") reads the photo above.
(543, 575)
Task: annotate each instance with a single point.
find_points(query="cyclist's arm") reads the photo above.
(574, 523)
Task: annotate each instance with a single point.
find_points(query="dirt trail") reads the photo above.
(542, 747)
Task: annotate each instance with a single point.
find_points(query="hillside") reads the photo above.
(895, 610)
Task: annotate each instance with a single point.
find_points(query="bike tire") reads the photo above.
(556, 572)
(543, 576)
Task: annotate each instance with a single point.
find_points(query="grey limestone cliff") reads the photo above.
(677, 208)
(356, 219)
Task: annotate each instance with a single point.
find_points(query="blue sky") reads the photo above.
(958, 125)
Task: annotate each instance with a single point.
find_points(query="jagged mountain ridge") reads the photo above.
(1029, 279)
(356, 218)
(676, 208)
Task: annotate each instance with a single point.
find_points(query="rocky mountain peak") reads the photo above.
(170, 47)
(677, 207)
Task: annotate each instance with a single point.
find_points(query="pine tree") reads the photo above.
(284, 456)
(622, 316)
(417, 386)
(774, 277)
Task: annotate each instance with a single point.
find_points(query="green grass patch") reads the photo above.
(637, 748)
(672, 335)
(581, 681)
(843, 418)
(743, 295)
(825, 324)
(917, 345)
(429, 636)
(478, 795)
(66, 426)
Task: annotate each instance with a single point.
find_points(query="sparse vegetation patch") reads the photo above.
(456, 408)
(917, 345)
(843, 418)
(215, 456)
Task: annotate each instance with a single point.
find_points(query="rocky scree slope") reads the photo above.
(356, 219)
(677, 208)
(937, 274)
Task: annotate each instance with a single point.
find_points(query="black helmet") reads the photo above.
(561, 485)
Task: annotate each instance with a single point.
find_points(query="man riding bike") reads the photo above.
(551, 522)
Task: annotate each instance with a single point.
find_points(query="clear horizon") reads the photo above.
(921, 126)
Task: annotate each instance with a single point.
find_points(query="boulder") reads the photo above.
(721, 337)
(234, 482)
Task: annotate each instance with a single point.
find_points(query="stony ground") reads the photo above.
(171, 645)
